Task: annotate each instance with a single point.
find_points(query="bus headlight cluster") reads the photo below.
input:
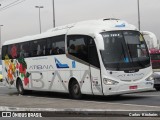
(150, 78)
(109, 82)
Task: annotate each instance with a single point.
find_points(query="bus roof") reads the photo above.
(89, 27)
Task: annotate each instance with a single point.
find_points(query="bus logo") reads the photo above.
(60, 65)
(121, 25)
(73, 64)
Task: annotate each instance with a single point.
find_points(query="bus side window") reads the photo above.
(13, 51)
(92, 53)
(24, 49)
(77, 46)
(38, 48)
(56, 45)
(33, 49)
(60, 47)
(4, 52)
(41, 48)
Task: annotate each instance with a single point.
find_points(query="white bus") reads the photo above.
(96, 57)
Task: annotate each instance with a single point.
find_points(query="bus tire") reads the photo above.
(75, 91)
(20, 88)
(157, 88)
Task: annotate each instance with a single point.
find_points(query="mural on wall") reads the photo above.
(16, 67)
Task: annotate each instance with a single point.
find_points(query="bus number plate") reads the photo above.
(133, 87)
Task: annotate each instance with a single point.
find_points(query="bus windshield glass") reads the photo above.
(124, 50)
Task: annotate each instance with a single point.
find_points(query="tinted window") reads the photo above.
(13, 51)
(114, 47)
(24, 49)
(77, 46)
(38, 48)
(124, 50)
(56, 45)
(92, 53)
(48, 46)
(4, 52)
(136, 44)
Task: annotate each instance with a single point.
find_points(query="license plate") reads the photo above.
(133, 87)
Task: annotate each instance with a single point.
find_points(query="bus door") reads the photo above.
(84, 48)
(94, 68)
(78, 52)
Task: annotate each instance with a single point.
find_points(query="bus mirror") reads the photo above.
(151, 39)
(100, 42)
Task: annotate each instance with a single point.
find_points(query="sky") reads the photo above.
(23, 19)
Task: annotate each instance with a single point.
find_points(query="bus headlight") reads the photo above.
(150, 78)
(109, 82)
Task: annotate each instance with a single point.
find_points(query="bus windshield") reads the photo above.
(124, 50)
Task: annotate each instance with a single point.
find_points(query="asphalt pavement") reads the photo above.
(136, 101)
(10, 100)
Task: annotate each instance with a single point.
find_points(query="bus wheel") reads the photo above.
(75, 91)
(20, 88)
(157, 88)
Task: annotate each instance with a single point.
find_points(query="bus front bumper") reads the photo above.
(128, 88)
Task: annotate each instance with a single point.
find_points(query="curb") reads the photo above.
(78, 112)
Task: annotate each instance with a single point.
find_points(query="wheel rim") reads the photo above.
(76, 89)
(20, 88)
